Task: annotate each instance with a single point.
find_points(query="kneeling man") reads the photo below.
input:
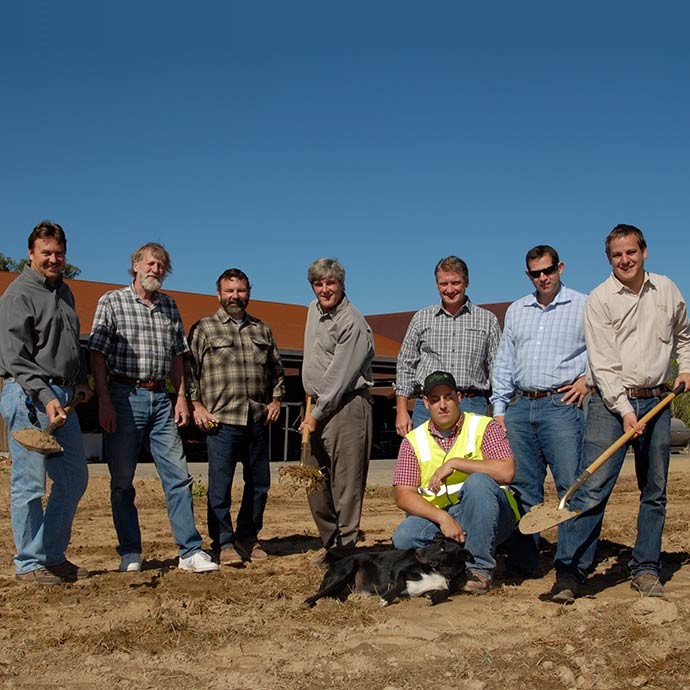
(450, 476)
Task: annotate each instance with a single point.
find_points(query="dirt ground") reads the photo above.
(247, 628)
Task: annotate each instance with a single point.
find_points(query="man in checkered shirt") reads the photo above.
(136, 341)
(236, 383)
(455, 336)
(451, 477)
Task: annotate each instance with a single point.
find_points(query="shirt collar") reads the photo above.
(38, 279)
(467, 307)
(561, 297)
(615, 285)
(137, 297)
(335, 310)
(224, 317)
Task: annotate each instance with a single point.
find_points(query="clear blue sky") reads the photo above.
(264, 135)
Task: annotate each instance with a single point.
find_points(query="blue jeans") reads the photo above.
(542, 433)
(232, 443)
(476, 404)
(41, 537)
(145, 416)
(652, 454)
(484, 514)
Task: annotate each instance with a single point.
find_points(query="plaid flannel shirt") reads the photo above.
(137, 340)
(234, 370)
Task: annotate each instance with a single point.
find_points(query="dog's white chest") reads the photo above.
(429, 582)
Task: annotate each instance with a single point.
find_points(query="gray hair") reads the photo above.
(326, 268)
(158, 251)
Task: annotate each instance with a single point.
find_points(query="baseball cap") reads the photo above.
(438, 378)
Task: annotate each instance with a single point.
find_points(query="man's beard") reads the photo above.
(150, 283)
(234, 307)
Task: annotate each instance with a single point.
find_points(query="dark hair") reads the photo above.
(452, 264)
(47, 228)
(231, 273)
(158, 251)
(623, 230)
(539, 251)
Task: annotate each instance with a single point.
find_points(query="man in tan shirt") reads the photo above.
(635, 322)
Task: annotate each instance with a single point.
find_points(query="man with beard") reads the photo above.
(236, 384)
(137, 340)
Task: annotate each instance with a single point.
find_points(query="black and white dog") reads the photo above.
(432, 571)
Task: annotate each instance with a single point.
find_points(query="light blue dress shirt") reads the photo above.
(541, 348)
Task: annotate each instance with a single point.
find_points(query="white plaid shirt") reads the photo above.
(137, 340)
(464, 345)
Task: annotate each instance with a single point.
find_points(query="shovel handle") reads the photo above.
(627, 436)
(305, 430)
(58, 422)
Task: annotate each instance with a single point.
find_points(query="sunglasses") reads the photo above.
(549, 270)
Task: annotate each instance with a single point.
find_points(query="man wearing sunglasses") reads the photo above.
(538, 387)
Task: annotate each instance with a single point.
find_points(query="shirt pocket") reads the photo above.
(261, 348)
(222, 350)
(663, 324)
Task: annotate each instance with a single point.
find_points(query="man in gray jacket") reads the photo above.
(338, 350)
(40, 360)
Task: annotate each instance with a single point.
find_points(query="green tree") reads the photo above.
(9, 264)
(680, 407)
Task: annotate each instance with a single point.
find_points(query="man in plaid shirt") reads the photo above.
(236, 384)
(456, 336)
(136, 341)
(450, 477)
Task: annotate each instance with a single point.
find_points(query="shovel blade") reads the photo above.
(37, 441)
(541, 517)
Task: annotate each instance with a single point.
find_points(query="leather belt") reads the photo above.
(654, 392)
(138, 383)
(59, 381)
(636, 393)
(536, 395)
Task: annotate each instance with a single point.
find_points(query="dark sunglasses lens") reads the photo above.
(546, 271)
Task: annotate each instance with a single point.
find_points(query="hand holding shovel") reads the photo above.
(42, 440)
(541, 516)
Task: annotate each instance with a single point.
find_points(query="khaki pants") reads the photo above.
(340, 447)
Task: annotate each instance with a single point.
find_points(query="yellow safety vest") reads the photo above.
(468, 444)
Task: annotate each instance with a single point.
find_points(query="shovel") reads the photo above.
(42, 440)
(303, 475)
(541, 516)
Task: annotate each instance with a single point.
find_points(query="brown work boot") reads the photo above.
(648, 585)
(39, 576)
(68, 571)
(477, 583)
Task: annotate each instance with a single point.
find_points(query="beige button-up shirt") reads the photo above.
(631, 338)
